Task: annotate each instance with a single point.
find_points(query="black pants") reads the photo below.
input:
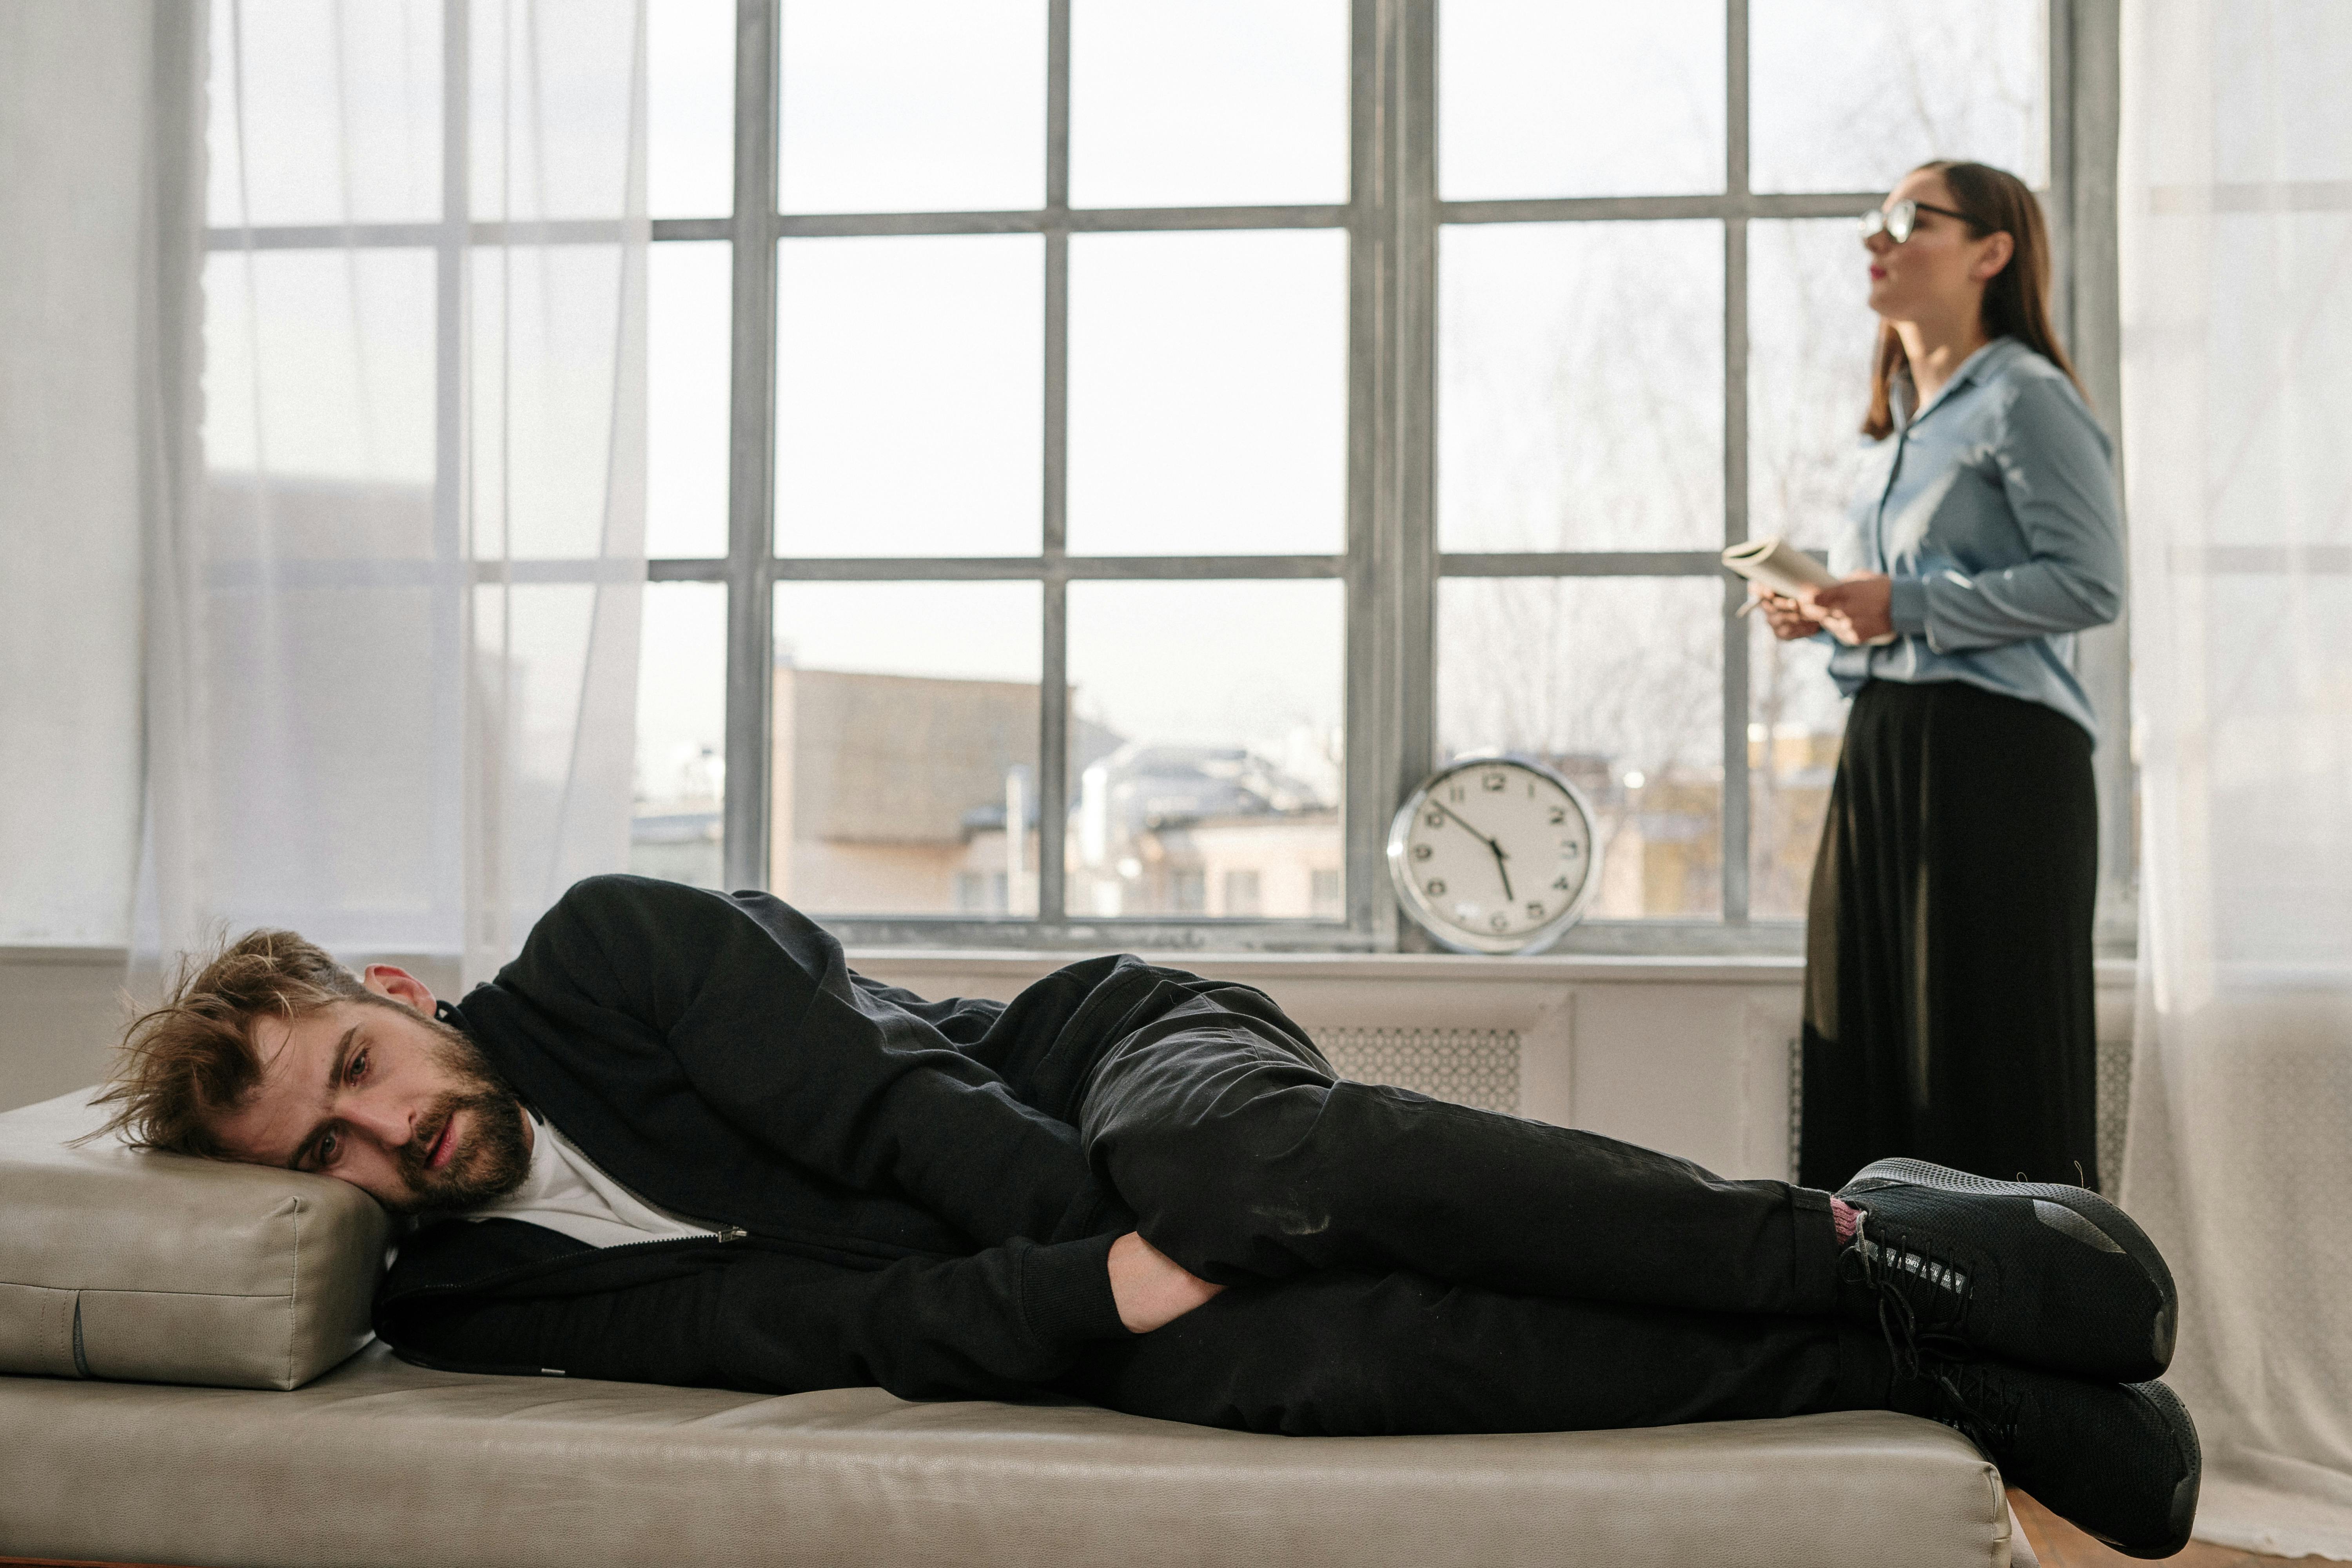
(1948, 970)
(1399, 1264)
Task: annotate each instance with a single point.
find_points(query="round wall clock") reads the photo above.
(1495, 854)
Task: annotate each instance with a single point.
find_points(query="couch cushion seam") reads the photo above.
(293, 1294)
(135, 1291)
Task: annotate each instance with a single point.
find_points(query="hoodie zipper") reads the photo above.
(720, 1231)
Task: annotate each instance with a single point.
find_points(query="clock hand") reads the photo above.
(1466, 828)
(1493, 846)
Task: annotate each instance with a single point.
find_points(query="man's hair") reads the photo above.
(185, 1063)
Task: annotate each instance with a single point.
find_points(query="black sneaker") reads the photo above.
(2118, 1461)
(2046, 1275)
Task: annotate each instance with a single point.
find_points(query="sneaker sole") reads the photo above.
(2182, 1517)
(2109, 1221)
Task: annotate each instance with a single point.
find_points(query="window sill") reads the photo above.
(910, 964)
(1557, 968)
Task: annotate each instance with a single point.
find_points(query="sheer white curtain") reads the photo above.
(392, 637)
(2236, 197)
(80, 121)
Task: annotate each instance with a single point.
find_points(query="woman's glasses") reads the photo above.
(1897, 221)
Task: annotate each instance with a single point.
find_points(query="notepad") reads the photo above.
(1790, 572)
(1779, 565)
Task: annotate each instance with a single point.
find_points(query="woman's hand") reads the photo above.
(1151, 1289)
(1864, 603)
(1789, 619)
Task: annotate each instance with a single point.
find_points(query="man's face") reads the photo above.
(385, 1098)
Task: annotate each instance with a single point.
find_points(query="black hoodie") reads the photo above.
(896, 1185)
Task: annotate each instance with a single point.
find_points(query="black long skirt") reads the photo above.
(1948, 967)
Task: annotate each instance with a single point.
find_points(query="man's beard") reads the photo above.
(495, 1155)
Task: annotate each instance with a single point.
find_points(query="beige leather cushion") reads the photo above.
(115, 1264)
(382, 1463)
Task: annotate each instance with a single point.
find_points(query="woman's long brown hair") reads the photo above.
(2017, 300)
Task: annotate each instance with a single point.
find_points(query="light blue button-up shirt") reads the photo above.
(1993, 510)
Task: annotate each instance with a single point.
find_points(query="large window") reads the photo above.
(1651, 344)
(1103, 452)
(1036, 560)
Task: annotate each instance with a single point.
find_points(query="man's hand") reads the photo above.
(1859, 608)
(1151, 1289)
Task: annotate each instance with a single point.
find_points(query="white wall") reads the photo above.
(60, 1012)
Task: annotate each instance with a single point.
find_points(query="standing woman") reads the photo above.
(1947, 972)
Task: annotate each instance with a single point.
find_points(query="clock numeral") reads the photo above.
(1500, 922)
(1454, 793)
(1422, 852)
(1436, 889)
(1571, 847)
(1562, 884)
(1558, 815)
(1494, 781)
(1535, 911)
(1432, 818)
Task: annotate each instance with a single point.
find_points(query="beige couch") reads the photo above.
(376, 1462)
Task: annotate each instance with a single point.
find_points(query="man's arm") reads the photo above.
(991, 1325)
(757, 1005)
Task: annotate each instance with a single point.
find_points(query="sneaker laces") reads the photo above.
(1895, 1272)
(1974, 1406)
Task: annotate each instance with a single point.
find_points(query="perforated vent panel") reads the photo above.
(1477, 1067)
(2115, 1099)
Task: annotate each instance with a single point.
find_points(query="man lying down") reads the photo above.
(678, 1141)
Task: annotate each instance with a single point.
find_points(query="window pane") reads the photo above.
(1208, 102)
(1795, 720)
(1617, 682)
(1848, 94)
(910, 396)
(687, 383)
(336, 108)
(690, 108)
(1581, 386)
(320, 364)
(681, 774)
(1809, 342)
(905, 741)
(1809, 348)
(1206, 737)
(1537, 99)
(543, 382)
(913, 105)
(1208, 392)
(554, 108)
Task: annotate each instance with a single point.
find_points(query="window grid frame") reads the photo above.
(1391, 565)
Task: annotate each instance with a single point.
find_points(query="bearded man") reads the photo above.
(678, 1141)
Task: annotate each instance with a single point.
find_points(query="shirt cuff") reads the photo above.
(1066, 1293)
(1907, 606)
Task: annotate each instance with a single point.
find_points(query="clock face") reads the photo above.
(1494, 854)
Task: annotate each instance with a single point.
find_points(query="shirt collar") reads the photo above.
(1972, 369)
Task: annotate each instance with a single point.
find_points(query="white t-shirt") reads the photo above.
(566, 1193)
